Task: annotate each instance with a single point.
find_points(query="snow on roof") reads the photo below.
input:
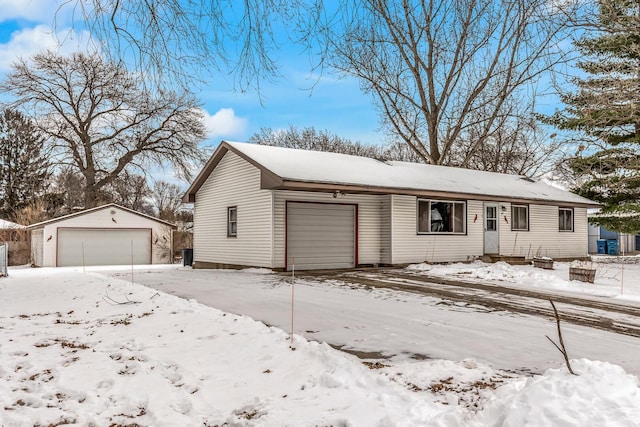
(98, 208)
(335, 168)
(4, 224)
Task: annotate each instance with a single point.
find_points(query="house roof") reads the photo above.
(293, 169)
(99, 208)
(4, 224)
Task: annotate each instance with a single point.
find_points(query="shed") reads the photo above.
(105, 235)
(17, 238)
(285, 208)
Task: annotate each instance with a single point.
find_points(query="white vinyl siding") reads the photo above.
(321, 235)
(37, 247)
(543, 237)
(234, 182)
(113, 218)
(386, 229)
(369, 222)
(410, 247)
(87, 246)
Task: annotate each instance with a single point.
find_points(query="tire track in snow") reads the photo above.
(617, 318)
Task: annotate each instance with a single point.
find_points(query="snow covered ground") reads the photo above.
(96, 349)
(619, 281)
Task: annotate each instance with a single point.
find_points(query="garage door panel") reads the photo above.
(321, 236)
(90, 246)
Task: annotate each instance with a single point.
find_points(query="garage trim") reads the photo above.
(149, 230)
(286, 228)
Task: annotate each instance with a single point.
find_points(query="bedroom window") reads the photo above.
(437, 216)
(565, 219)
(520, 217)
(232, 221)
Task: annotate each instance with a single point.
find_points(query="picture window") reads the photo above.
(436, 216)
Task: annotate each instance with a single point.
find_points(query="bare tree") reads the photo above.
(518, 145)
(102, 120)
(67, 191)
(167, 200)
(175, 41)
(311, 139)
(131, 191)
(440, 68)
(436, 68)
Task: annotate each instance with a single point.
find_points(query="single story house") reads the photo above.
(105, 235)
(284, 208)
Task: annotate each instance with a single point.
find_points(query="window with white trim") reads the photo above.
(520, 217)
(438, 216)
(232, 221)
(565, 219)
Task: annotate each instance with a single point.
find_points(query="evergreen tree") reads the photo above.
(24, 168)
(606, 108)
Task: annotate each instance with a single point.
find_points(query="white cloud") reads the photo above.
(225, 124)
(27, 42)
(32, 10)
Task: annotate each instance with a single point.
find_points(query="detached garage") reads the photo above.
(106, 235)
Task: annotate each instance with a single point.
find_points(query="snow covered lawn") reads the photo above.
(89, 349)
(619, 281)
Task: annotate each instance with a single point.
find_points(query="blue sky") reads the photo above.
(336, 105)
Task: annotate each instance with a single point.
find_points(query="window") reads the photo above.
(565, 219)
(435, 216)
(520, 217)
(232, 221)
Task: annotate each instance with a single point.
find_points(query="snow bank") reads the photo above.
(601, 394)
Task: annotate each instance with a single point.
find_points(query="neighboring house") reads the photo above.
(626, 242)
(279, 208)
(17, 238)
(106, 235)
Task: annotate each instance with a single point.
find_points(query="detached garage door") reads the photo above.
(321, 235)
(103, 246)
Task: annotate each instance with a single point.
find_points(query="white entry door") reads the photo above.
(491, 238)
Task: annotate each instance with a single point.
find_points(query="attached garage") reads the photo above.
(321, 236)
(103, 246)
(106, 235)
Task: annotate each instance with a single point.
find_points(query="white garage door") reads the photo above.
(103, 246)
(321, 235)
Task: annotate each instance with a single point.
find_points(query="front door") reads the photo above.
(491, 240)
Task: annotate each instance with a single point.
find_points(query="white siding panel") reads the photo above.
(409, 247)
(544, 238)
(385, 229)
(369, 222)
(234, 182)
(37, 245)
(110, 217)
